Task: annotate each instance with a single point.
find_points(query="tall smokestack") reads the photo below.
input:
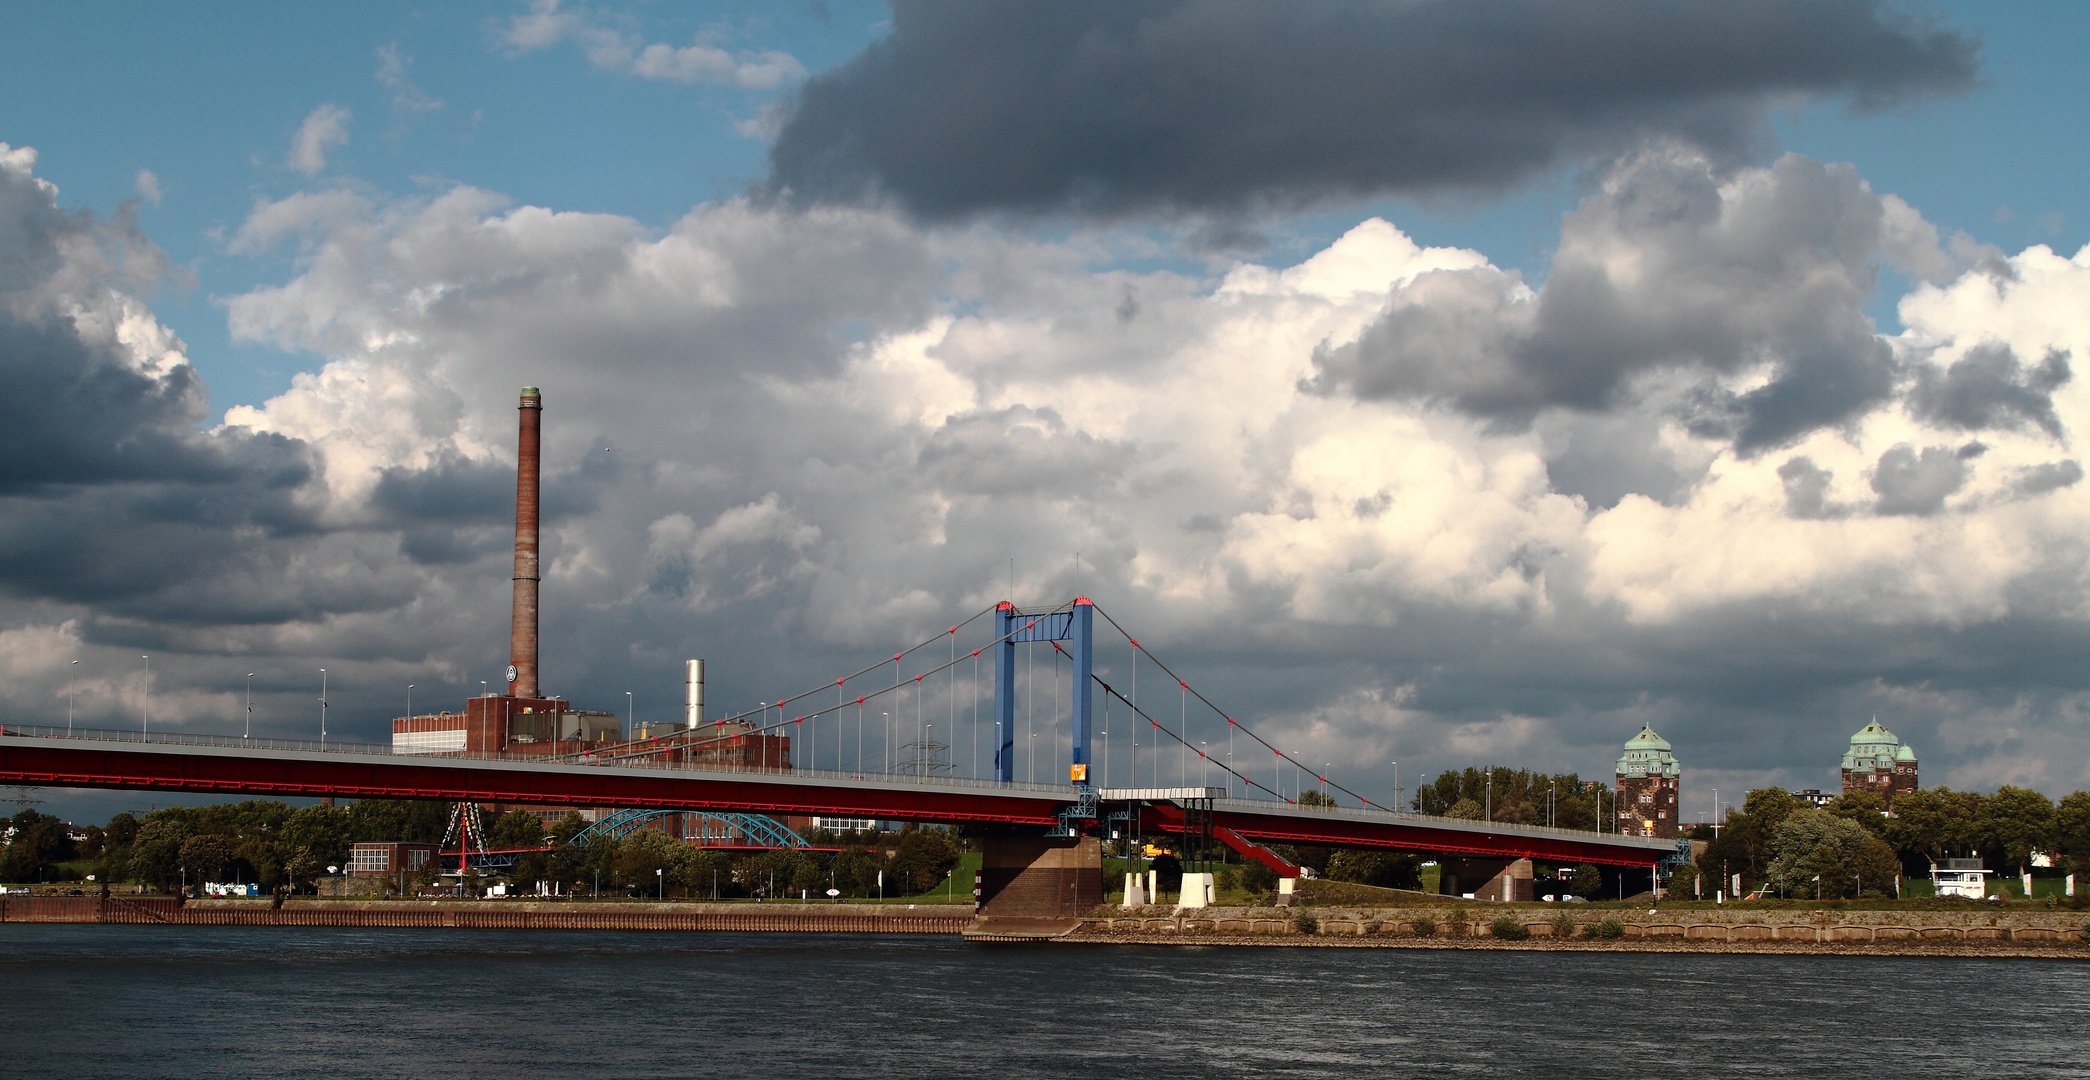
(693, 694)
(522, 627)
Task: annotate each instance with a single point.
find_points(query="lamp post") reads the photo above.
(631, 715)
(72, 683)
(409, 701)
(322, 708)
(661, 877)
(1399, 803)
(145, 726)
(250, 706)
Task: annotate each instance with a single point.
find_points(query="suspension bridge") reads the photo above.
(1053, 756)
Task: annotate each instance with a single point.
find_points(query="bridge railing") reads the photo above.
(1374, 813)
(647, 762)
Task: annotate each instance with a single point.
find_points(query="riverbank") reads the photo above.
(1783, 931)
(496, 914)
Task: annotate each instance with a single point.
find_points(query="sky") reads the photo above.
(1447, 384)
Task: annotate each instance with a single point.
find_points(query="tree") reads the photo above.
(2017, 822)
(2072, 829)
(155, 857)
(923, 858)
(1866, 808)
(1384, 869)
(1257, 878)
(570, 826)
(419, 821)
(1313, 799)
(518, 829)
(204, 858)
(640, 853)
(321, 830)
(301, 870)
(1587, 882)
(1812, 844)
(1466, 809)
(1681, 879)
(37, 841)
(1935, 822)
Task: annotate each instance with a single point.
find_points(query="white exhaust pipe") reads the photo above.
(693, 695)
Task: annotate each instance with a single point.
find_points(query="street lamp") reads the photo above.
(71, 685)
(146, 724)
(335, 873)
(250, 706)
(323, 709)
(661, 877)
(1399, 804)
(409, 701)
(631, 715)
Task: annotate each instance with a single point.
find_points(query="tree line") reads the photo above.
(1515, 797)
(271, 843)
(1778, 841)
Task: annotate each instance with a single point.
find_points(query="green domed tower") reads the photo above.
(1648, 792)
(1879, 762)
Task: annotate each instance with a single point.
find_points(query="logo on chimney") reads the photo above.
(511, 673)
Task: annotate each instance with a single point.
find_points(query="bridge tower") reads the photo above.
(1076, 625)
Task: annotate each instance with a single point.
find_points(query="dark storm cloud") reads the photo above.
(1918, 484)
(1990, 388)
(109, 492)
(1217, 106)
(1806, 488)
(2052, 476)
(1671, 267)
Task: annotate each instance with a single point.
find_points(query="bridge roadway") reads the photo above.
(48, 757)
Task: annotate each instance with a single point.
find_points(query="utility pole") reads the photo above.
(146, 725)
(323, 711)
(250, 706)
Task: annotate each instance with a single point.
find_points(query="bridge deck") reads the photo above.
(209, 764)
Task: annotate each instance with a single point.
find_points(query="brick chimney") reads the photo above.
(522, 632)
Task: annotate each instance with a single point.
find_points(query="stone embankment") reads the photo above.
(497, 914)
(1728, 930)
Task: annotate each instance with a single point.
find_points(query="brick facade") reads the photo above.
(1879, 762)
(1649, 787)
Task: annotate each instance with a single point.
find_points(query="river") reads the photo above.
(151, 1001)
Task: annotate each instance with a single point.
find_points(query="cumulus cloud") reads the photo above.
(1752, 285)
(788, 439)
(547, 24)
(324, 129)
(148, 186)
(1220, 106)
(1988, 388)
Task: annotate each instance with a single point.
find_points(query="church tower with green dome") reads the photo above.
(1648, 794)
(1879, 762)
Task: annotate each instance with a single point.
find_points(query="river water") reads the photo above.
(144, 1001)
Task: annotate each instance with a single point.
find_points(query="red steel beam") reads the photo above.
(1289, 826)
(211, 770)
(231, 771)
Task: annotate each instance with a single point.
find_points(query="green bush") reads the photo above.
(1305, 923)
(1609, 929)
(1509, 928)
(1461, 922)
(1563, 925)
(1423, 925)
(1257, 878)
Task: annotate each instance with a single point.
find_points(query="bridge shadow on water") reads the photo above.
(237, 1002)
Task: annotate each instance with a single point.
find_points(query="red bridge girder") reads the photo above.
(230, 770)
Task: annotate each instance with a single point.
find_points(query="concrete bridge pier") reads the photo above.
(1486, 879)
(1034, 887)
